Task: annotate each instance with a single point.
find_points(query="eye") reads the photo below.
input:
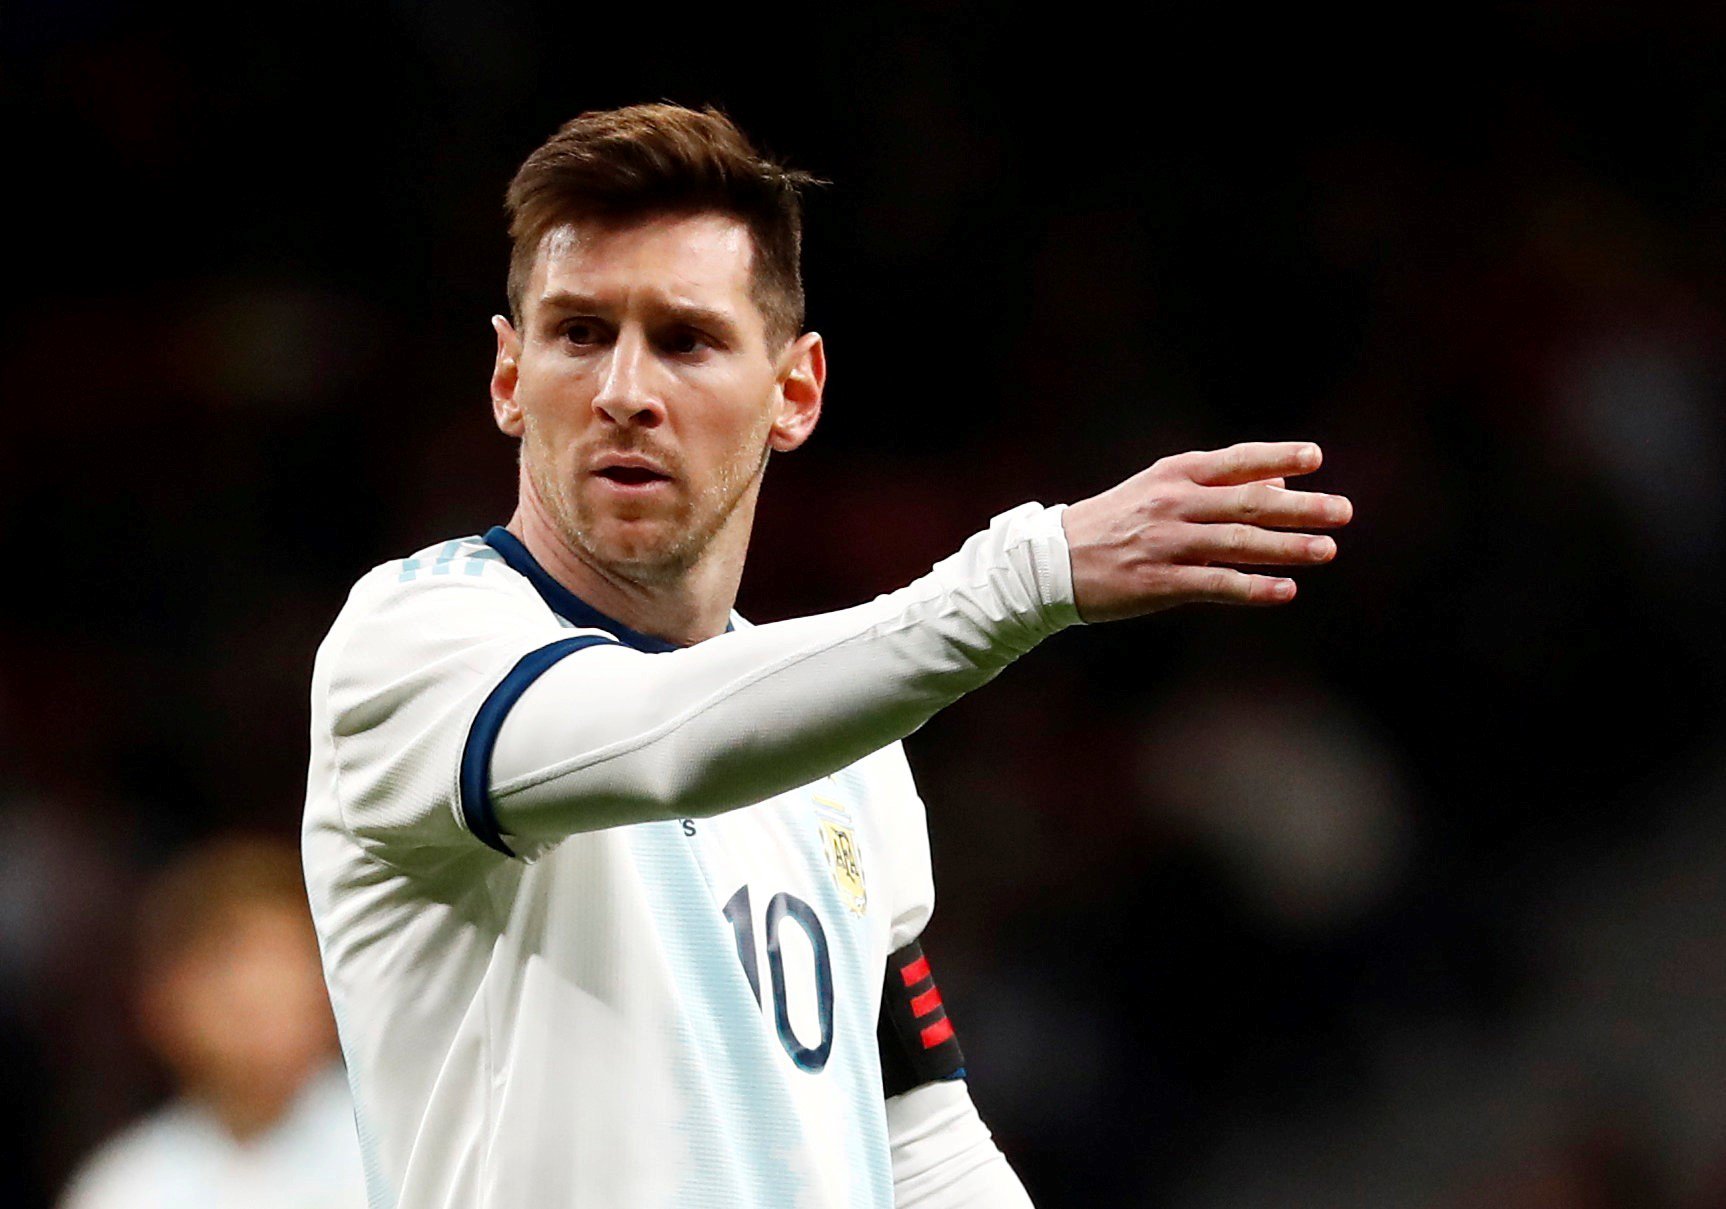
(685, 340)
(583, 333)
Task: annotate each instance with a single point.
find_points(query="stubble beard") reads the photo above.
(685, 535)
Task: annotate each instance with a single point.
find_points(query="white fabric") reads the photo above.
(181, 1157)
(943, 1156)
(579, 1028)
(752, 713)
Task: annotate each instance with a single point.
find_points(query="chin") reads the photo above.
(639, 549)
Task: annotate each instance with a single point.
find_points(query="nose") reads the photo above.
(627, 392)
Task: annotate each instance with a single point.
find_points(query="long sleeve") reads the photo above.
(453, 704)
(943, 1156)
(613, 735)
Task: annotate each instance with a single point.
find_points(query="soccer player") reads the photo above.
(620, 897)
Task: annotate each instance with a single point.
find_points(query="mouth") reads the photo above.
(630, 472)
(632, 476)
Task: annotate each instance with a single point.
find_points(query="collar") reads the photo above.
(567, 604)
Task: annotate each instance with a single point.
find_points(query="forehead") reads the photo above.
(703, 259)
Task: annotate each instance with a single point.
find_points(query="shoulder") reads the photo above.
(317, 1143)
(136, 1162)
(324, 1110)
(441, 574)
(455, 590)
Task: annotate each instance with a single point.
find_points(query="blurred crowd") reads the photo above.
(1409, 894)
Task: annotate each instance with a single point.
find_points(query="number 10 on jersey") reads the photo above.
(781, 908)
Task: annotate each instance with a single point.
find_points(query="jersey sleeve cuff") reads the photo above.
(1054, 568)
(477, 812)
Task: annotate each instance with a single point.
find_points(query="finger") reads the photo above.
(1252, 461)
(1262, 504)
(1253, 546)
(1225, 585)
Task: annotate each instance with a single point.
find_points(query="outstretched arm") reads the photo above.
(738, 718)
(562, 734)
(1164, 537)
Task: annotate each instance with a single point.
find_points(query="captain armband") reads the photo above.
(916, 1038)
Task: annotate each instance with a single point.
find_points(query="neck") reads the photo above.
(249, 1106)
(692, 607)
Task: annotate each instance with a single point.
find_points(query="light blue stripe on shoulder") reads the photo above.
(446, 556)
(477, 559)
(469, 553)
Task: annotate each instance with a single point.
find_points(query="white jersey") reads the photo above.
(605, 921)
(182, 1157)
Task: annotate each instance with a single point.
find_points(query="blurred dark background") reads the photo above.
(1410, 894)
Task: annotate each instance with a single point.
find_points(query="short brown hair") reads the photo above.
(645, 160)
(198, 894)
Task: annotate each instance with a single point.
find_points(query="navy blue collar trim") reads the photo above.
(563, 602)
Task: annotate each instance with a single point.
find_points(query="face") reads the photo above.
(244, 1005)
(645, 393)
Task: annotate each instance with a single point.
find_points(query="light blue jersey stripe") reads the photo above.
(737, 1116)
(747, 1144)
(446, 556)
(380, 1194)
(856, 1061)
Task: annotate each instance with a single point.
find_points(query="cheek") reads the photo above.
(545, 436)
(738, 419)
(729, 442)
(552, 394)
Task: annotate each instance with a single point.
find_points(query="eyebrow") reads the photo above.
(680, 312)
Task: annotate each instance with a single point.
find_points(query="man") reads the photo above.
(619, 896)
(231, 1000)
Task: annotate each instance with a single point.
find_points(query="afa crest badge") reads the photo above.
(847, 865)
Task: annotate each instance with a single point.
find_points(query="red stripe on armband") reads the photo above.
(928, 1001)
(935, 1034)
(917, 1041)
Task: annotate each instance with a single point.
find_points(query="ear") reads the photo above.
(802, 376)
(504, 409)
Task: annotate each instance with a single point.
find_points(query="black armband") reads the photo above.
(916, 1038)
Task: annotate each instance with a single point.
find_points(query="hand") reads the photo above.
(1164, 537)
